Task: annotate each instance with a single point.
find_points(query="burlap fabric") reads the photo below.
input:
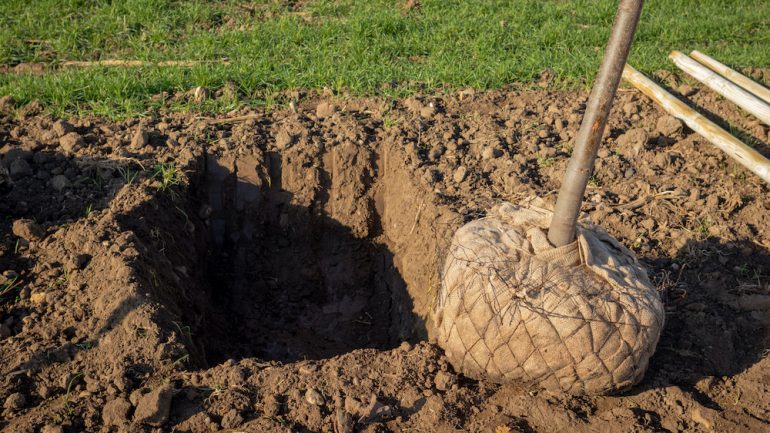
(582, 318)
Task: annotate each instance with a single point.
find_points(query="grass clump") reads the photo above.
(166, 175)
(372, 47)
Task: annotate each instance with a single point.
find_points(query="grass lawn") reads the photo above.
(362, 47)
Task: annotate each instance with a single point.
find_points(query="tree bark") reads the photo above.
(581, 163)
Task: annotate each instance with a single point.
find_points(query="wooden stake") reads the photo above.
(736, 77)
(729, 90)
(745, 155)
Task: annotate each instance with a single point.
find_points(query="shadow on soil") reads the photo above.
(714, 327)
(267, 278)
(277, 281)
(273, 280)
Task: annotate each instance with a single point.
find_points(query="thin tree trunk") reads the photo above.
(581, 164)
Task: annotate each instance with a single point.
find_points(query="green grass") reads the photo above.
(167, 175)
(352, 46)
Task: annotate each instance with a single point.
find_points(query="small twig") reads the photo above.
(136, 63)
(641, 201)
(416, 217)
(232, 119)
(88, 162)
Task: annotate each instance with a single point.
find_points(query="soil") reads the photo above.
(276, 272)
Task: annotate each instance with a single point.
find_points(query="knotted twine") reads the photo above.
(582, 318)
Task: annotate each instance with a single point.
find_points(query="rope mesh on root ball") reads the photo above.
(582, 318)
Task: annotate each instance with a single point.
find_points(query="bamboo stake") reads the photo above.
(745, 155)
(581, 164)
(736, 77)
(729, 90)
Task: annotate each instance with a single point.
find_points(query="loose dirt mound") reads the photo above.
(277, 273)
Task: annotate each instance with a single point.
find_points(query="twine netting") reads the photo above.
(582, 318)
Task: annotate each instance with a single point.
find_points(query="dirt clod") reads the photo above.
(630, 108)
(71, 142)
(703, 416)
(232, 419)
(15, 401)
(459, 174)
(444, 381)
(115, 412)
(141, 138)
(632, 142)
(314, 397)
(62, 128)
(19, 168)
(59, 182)
(283, 140)
(325, 109)
(153, 407)
(669, 126)
(27, 229)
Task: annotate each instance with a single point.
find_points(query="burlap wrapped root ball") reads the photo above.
(583, 318)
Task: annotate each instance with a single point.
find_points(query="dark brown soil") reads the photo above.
(282, 279)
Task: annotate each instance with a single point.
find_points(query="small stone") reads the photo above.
(27, 229)
(460, 173)
(62, 128)
(543, 133)
(141, 138)
(284, 140)
(324, 110)
(15, 401)
(314, 397)
(115, 412)
(19, 168)
(153, 407)
(405, 346)
(669, 126)
(71, 142)
(200, 94)
(59, 182)
(444, 381)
